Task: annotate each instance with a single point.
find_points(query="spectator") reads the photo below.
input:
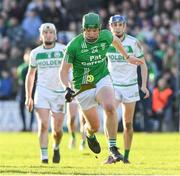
(5, 85)
(55, 15)
(161, 101)
(21, 72)
(4, 52)
(2, 27)
(13, 73)
(14, 57)
(15, 33)
(175, 26)
(31, 24)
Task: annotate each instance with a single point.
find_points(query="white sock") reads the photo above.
(56, 146)
(44, 153)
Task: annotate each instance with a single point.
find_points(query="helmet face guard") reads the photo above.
(91, 20)
(117, 18)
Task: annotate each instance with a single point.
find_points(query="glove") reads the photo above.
(69, 94)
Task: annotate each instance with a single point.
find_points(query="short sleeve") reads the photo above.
(138, 50)
(33, 62)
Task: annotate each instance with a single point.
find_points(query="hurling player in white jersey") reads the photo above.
(49, 95)
(124, 76)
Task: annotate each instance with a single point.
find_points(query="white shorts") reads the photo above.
(127, 94)
(87, 99)
(47, 99)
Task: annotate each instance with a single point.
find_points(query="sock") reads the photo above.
(73, 135)
(89, 135)
(56, 146)
(111, 143)
(44, 153)
(126, 154)
(83, 142)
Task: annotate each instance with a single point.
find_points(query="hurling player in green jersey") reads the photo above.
(86, 54)
(124, 76)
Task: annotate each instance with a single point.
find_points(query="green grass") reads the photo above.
(151, 154)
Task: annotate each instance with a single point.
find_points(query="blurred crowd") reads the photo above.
(156, 23)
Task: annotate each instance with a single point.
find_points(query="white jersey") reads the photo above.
(122, 72)
(47, 62)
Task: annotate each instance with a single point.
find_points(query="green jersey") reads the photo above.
(21, 72)
(88, 59)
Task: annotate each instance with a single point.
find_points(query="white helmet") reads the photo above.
(46, 26)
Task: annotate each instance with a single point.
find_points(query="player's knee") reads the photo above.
(57, 133)
(109, 108)
(128, 126)
(72, 120)
(44, 127)
(95, 127)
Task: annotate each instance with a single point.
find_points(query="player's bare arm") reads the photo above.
(64, 74)
(144, 72)
(64, 77)
(29, 87)
(131, 59)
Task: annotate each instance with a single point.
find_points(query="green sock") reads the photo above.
(56, 146)
(89, 135)
(73, 135)
(112, 142)
(126, 154)
(83, 142)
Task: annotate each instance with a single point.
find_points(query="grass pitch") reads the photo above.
(151, 154)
